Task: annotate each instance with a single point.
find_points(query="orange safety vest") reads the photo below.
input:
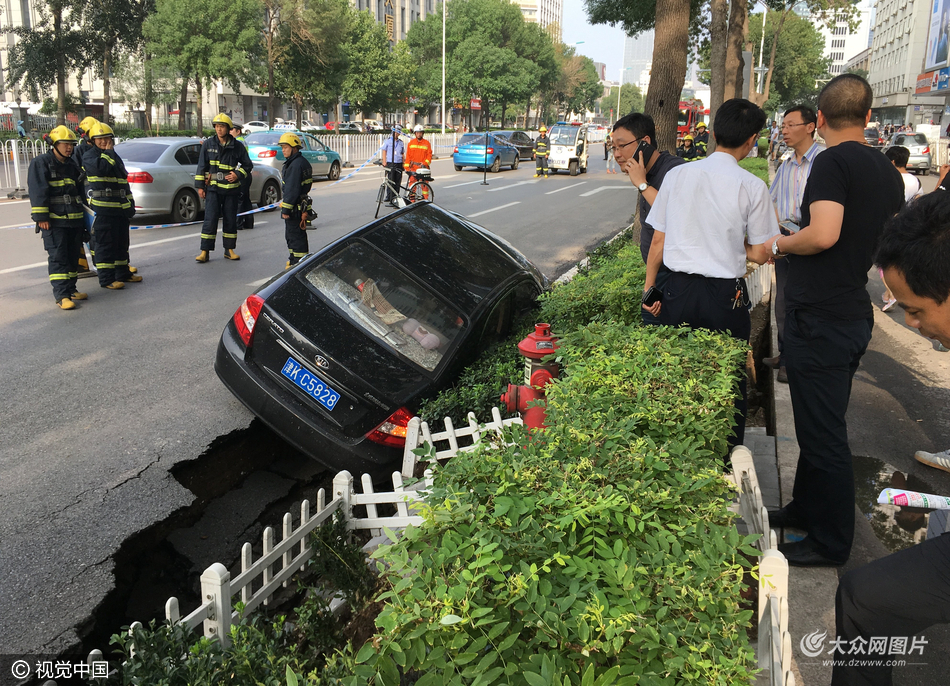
(418, 154)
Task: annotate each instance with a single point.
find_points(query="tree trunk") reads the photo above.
(670, 42)
(60, 67)
(762, 98)
(199, 96)
(183, 103)
(504, 110)
(106, 86)
(149, 96)
(271, 93)
(738, 14)
(718, 36)
(299, 101)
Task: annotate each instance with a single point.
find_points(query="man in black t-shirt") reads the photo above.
(852, 190)
(647, 175)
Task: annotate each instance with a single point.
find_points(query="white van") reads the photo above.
(568, 149)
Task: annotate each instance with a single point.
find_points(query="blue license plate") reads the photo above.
(310, 384)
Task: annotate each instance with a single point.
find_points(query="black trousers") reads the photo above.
(395, 176)
(701, 302)
(897, 596)
(297, 242)
(821, 357)
(662, 275)
(63, 246)
(781, 277)
(244, 205)
(111, 248)
(541, 162)
(220, 206)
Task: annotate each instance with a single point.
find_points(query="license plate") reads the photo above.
(310, 384)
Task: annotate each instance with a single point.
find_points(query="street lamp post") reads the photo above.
(443, 65)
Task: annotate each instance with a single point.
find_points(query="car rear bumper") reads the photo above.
(473, 159)
(919, 162)
(290, 418)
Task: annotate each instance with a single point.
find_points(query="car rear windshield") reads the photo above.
(263, 138)
(387, 304)
(563, 135)
(919, 139)
(134, 151)
(871, 132)
(472, 139)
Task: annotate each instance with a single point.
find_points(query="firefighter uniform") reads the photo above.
(542, 147)
(244, 221)
(107, 192)
(83, 132)
(418, 152)
(215, 161)
(297, 178)
(55, 191)
(701, 140)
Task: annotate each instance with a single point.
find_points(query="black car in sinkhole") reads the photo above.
(335, 353)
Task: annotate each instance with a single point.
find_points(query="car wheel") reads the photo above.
(270, 194)
(334, 171)
(573, 168)
(495, 165)
(185, 206)
(458, 167)
(514, 165)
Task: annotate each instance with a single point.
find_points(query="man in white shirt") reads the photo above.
(709, 217)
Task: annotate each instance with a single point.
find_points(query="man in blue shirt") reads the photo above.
(393, 152)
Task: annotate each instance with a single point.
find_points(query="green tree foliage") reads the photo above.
(366, 85)
(631, 100)
(213, 39)
(47, 53)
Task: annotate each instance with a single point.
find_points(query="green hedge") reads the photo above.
(758, 165)
(600, 551)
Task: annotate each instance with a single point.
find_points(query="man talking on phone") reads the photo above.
(634, 150)
(709, 217)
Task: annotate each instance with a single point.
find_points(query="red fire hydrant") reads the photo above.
(534, 348)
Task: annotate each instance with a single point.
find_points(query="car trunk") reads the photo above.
(327, 346)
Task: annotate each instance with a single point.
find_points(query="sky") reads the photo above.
(602, 43)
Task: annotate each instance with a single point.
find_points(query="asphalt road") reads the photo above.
(101, 402)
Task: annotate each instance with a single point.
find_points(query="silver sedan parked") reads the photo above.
(162, 177)
(919, 149)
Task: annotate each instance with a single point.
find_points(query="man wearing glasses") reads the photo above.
(646, 174)
(787, 190)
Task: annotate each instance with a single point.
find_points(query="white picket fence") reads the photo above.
(356, 148)
(775, 643)
(759, 283)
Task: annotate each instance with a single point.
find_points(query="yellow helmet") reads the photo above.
(687, 137)
(291, 139)
(62, 133)
(703, 124)
(222, 119)
(543, 129)
(100, 130)
(87, 124)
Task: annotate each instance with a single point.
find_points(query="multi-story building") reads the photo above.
(637, 58)
(549, 14)
(841, 44)
(902, 39)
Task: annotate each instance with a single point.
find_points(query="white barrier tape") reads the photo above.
(357, 170)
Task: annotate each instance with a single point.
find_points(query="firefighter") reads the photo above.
(223, 164)
(84, 144)
(56, 206)
(542, 146)
(244, 202)
(701, 139)
(107, 191)
(295, 208)
(688, 152)
(418, 152)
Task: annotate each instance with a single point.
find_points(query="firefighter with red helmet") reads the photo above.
(55, 190)
(223, 164)
(108, 195)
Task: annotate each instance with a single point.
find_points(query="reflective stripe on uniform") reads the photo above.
(209, 236)
(229, 235)
(71, 215)
(58, 277)
(39, 210)
(105, 265)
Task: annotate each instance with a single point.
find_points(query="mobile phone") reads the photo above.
(789, 226)
(652, 296)
(646, 149)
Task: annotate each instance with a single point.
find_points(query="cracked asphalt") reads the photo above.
(100, 403)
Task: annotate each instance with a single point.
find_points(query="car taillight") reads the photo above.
(490, 151)
(246, 317)
(925, 151)
(140, 177)
(456, 148)
(267, 153)
(392, 432)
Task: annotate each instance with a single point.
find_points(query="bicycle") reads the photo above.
(417, 189)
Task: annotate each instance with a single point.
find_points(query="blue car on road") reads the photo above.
(471, 152)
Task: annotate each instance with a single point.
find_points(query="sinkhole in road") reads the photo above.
(243, 482)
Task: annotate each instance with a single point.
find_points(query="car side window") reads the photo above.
(188, 155)
(314, 144)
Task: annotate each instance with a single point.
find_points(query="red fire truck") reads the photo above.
(691, 113)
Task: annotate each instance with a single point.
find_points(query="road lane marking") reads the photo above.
(504, 188)
(604, 188)
(456, 185)
(558, 190)
(494, 209)
(25, 266)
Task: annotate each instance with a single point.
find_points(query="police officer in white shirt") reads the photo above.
(708, 217)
